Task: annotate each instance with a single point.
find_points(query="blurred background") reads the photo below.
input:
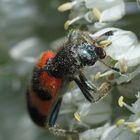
(36, 24)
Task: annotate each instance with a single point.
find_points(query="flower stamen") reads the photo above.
(69, 22)
(77, 116)
(133, 126)
(66, 6)
(105, 43)
(120, 122)
(122, 103)
(100, 75)
(97, 75)
(96, 12)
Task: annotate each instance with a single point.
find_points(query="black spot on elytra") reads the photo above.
(35, 115)
(39, 91)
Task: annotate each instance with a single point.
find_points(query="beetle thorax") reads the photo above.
(65, 62)
(71, 58)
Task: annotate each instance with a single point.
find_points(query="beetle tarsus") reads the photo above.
(103, 90)
(64, 133)
(89, 89)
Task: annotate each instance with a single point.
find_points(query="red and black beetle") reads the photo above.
(54, 71)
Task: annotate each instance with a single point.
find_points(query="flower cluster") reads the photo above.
(122, 49)
(100, 12)
(88, 114)
(133, 122)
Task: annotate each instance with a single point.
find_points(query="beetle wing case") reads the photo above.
(43, 91)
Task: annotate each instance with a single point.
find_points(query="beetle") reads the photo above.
(54, 71)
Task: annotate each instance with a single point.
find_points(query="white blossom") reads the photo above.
(111, 10)
(133, 122)
(125, 47)
(93, 11)
(86, 113)
(25, 50)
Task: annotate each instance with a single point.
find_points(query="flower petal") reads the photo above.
(114, 13)
(114, 133)
(95, 113)
(133, 57)
(122, 42)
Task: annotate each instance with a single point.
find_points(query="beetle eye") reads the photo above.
(100, 52)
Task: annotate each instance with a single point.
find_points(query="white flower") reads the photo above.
(111, 10)
(124, 53)
(125, 48)
(133, 122)
(122, 43)
(94, 113)
(85, 114)
(115, 133)
(25, 50)
(108, 132)
(103, 11)
(138, 3)
(94, 134)
(90, 114)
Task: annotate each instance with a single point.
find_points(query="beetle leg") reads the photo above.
(65, 133)
(88, 84)
(101, 91)
(85, 89)
(89, 90)
(54, 128)
(54, 112)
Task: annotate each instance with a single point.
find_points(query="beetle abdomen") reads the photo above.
(34, 113)
(43, 92)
